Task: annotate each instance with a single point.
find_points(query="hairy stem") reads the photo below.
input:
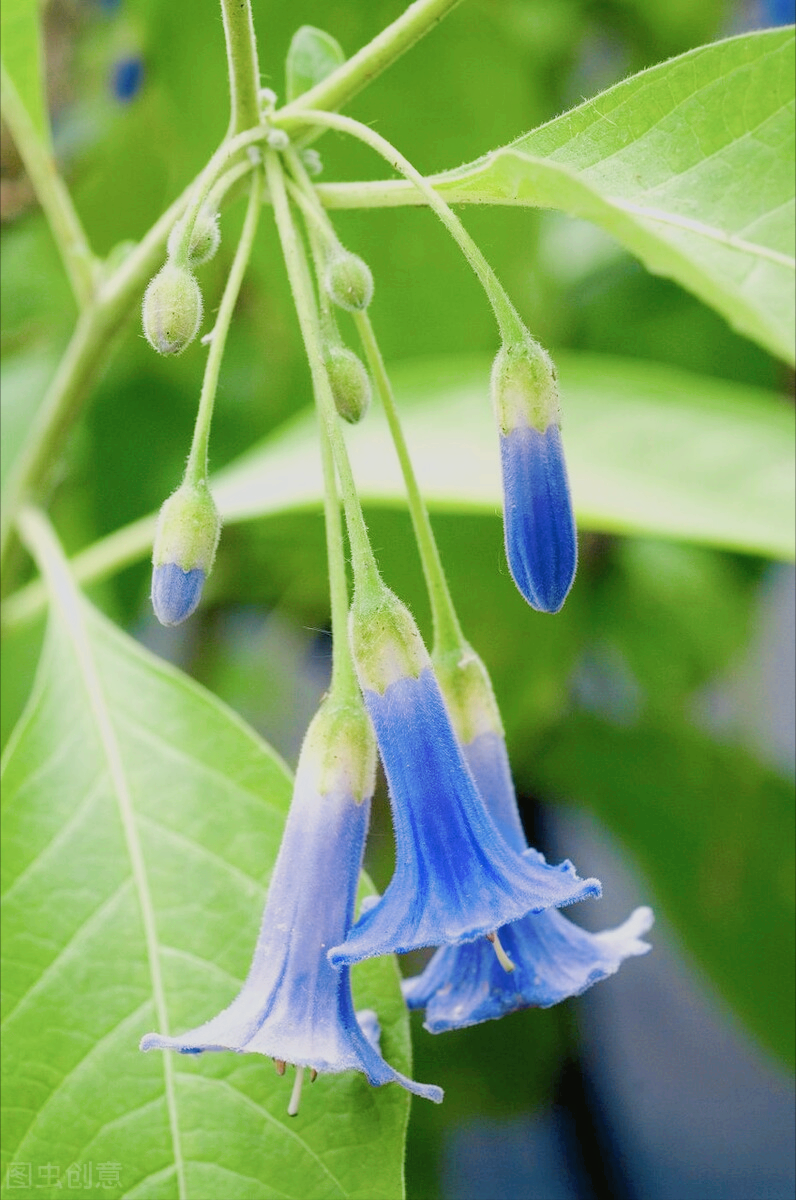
(512, 330)
(365, 570)
(448, 636)
(197, 460)
(244, 72)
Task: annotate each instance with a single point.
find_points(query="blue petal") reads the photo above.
(541, 543)
(553, 958)
(455, 879)
(294, 1006)
(176, 593)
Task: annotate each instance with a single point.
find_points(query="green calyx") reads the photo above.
(341, 745)
(385, 641)
(524, 387)
(468, 693)
(188, 529)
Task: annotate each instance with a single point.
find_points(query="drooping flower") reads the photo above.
(294, 1006)
(551, 958)
(539, 527)
(456, 878)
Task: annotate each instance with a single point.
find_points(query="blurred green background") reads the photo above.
(612, 708)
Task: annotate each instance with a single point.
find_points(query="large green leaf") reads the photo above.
(713, 831)
(650, 450)
(22, 58)
(690, 165)
(141, 819)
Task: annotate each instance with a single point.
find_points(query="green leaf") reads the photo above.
(650, 450)
(141, 819)
(713, 831)
(22, 58)
(312, 56)
(690, 165)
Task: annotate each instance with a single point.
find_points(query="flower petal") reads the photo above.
(541, 543)
(456, 878)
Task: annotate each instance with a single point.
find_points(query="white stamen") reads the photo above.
(502, 956)
(207, 338)
(295, 1095)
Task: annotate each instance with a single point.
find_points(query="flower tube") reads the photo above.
(551, 958)
(456, 877)
(294, 1006)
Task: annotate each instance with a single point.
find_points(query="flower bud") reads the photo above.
(385, 641)
(205, 238)
(541, 542)
(348, 281)
(172, 310)
(349, 382)
(186, 538)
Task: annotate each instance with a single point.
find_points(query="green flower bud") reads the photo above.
(186, 538)
(172, 310)
(349, 382)
(348, 281)
(205, 238)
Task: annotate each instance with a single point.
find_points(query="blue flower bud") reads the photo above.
(349, 382)
(541, 542)
(348, 280)
(172, 310)
(185, 546)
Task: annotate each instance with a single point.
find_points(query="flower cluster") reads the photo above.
(465, 883)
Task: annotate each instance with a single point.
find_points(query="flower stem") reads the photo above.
(344, 684)
(244, 72)
(512, 329)
(196, 469)
(448, 636)
(79, 262)
(368, 62)
(366, 575)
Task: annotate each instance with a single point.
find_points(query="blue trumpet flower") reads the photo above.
(456, 878)
(294, 1007)
(539, 527)
(552, 959)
